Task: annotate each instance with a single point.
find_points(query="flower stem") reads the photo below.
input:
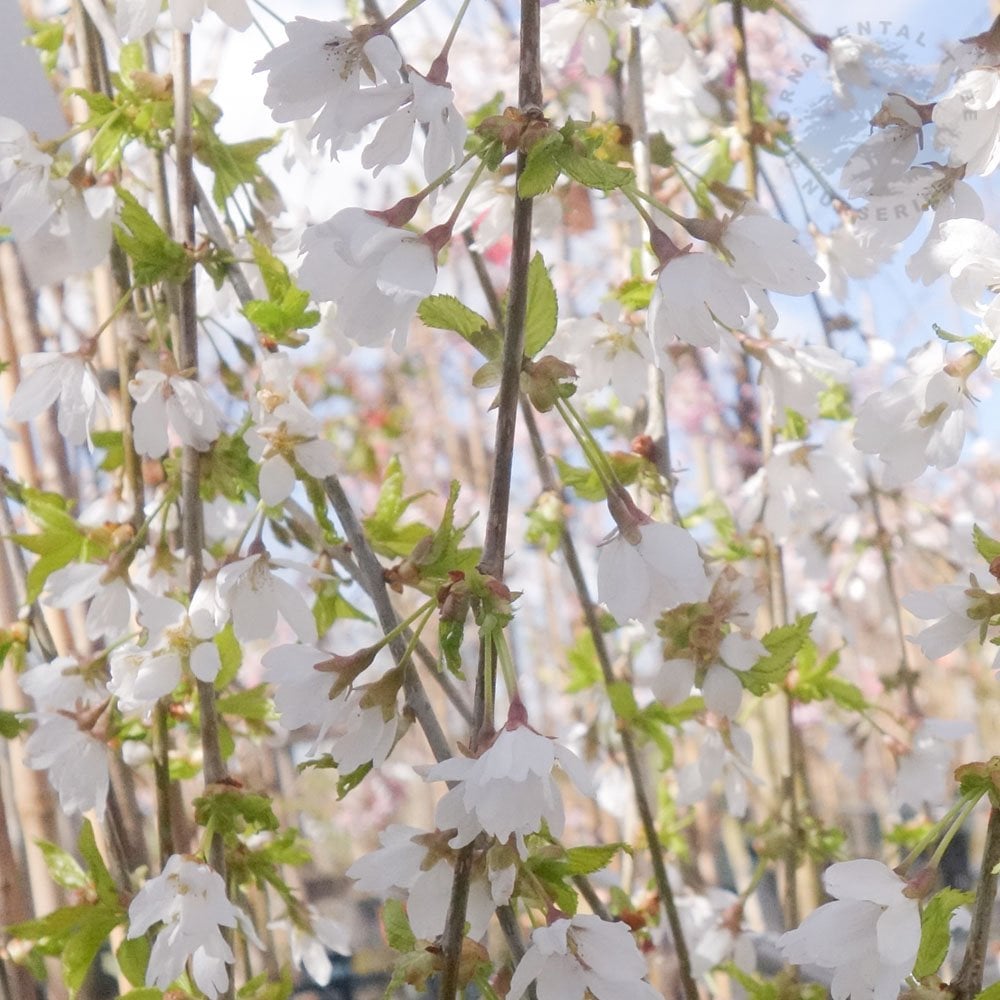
(446, 48)
(969, 980)
(963, 815)
(399, 13)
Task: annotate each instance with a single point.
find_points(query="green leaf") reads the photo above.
(635, 293)
(154, 256)
(585, 482)
(935, 934)
(233, 811)
(541, 170)
(348, 782)
(397, 927)
(542, 309)
(285, 311)
(450, 635)
(587, 860)
(445, 312)
(584, 666)
(63, 867)
(133, 957)
(622, 699)
(590, 171)
(143, 993)
(81, 949)
(990, 993)
(107, 891)
(230, 654)
(815, 680)
(234, 164)
(11, 726)
(252, 703)
(384, 532)
(331, 606)
(782, 644)
(987, 547)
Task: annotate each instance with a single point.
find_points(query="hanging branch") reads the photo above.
(186, 350)
(495, 542)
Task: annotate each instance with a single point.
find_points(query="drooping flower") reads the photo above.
(585, 956)
(189, 899)
(109, 595)
(433, 108)
(68, 740)
(420, 868)
(869, 934)
(647, 568)
(725, 755)
(764, 251)
(284, 432)
(177, 637)
(376, 274)
(163, 401)
(917, 422)
(136, 18)
(957, 613)
(509, 789)
(320, 69)
(255, 595)
(311, 941)
(925, 776)
(695, 292)
(68, 379)
(967, 120)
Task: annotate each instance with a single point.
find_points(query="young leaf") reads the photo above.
(397, 927)
(935, 933)
(987, 547)
(542, 310)
(782, 644)
(63, 867)
(154, 256)
(541, 170)
(589, 171)
(445, 312)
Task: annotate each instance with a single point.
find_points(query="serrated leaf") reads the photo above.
(384, 531)
(587, 860)
(987, 547)
(935, 929)
(398, 933)
(286, 309)
(589, 171)
(541, 170)
(782, 644)
(153, 255)
(348, 782)
(445, 312)
(542, 309)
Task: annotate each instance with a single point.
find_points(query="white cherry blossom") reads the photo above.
(764, 251)
(319, 71)
(255, 596)
(694, 294)
(137, 17)
(402, 868)
(582, 957)
(926, 774)
(658, 571)
(967, 118)
(721, 757)
(918, 421)
(189, 899)
(165, 401)
(509, 790)
(67, 379)
(958, 612)
(109, 595)
(869, 934)
(375, 273)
